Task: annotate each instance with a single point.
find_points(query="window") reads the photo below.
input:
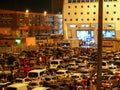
(70, 19)
(93, 19)
(94, 12)
(74, 1)
(81, 13)
(81, 6)
(112, 19)
(76, 19)
(68, 13)
(75, 13)
(114, 5)
(107, 5)
(78, 0)
(87, 19)
(114, 12)
(118, 18)
(69, 1)
(87, 12)
(105, 19)
(75, 6)
(94, 6)
(107, 12)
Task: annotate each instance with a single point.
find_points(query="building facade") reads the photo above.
(25, 24)
(80, 19)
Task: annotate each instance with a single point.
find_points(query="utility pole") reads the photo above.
(99, 53)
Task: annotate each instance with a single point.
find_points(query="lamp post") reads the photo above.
(99, 62)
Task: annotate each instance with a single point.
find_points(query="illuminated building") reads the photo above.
(80, 19)
(25, 24)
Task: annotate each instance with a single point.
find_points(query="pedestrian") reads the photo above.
(88, 83)
(70, 87)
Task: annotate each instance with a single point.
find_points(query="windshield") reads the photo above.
(75, 76)
(32, 74)
(54, 62)
(18, 81)
(11, 88)
(59, 72)
(105, 77)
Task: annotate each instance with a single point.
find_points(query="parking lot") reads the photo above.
(59, 69)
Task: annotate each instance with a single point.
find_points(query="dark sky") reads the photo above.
(22, 5)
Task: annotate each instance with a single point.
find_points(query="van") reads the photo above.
(35, 74)
(17, 86)
(55, 63)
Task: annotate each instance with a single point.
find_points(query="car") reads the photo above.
(33, 84)
(36, 74)
(113, 68)
(62, 73)
(4, 84)
(55, 63)
(109, 81)
(22, 80)
(49, 80)
(42, 88)
(77, 77)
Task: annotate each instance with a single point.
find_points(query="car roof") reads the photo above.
(37, 70)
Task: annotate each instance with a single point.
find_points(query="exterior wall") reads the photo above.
(24, 24)
(80, 13)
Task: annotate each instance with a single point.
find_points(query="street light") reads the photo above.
(45, 13)
(26, 12)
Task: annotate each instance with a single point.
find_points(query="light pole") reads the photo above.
(99, 52)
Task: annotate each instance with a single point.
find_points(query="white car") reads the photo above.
(22, 80)
(62, 73)
(77, 77)
(41, 88)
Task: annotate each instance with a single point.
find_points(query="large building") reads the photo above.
(25, 24)
(80, 19)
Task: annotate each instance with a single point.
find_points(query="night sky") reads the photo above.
(22, 5)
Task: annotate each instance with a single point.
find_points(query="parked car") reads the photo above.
(109, 81)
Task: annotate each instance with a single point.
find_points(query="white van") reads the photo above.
(55, 63)
(36, 74)
(17, 86)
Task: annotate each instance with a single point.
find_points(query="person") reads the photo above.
(70, 87)
(88, 83)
